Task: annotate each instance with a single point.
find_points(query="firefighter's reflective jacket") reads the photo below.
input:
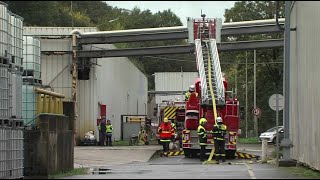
(202, 135)
(219, 131)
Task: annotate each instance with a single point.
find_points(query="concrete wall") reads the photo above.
(304, 86)
(50, 149)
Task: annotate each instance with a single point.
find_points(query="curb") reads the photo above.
(155, 155)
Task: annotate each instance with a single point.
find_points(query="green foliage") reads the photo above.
(72, 172)
(108, 18)
(303, 171)
(251, 140)
(268, 76)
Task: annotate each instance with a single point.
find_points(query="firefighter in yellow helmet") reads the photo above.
(218, 133)
(165, 131)
(202, 133)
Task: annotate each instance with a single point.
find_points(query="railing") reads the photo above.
(48, 102)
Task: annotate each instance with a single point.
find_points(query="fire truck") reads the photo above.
(213, 97)
(173, 110)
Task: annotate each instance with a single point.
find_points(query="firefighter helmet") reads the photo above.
(202, 121)
(219, 120)
(192, 88)
(165, 120)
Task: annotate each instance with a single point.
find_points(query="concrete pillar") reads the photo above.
(264, 157)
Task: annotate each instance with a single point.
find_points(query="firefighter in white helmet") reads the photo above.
(202, 133)
(218, 133)
(192, 89)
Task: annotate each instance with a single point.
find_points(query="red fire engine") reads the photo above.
(213, 97)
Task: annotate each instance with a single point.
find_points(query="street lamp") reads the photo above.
(112, 20)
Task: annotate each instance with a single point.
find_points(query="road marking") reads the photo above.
(254, 150)
(250, 171)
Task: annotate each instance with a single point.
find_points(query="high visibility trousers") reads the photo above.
(219, 149)
(109, 139)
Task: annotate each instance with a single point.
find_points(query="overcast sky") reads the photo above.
(183, 9)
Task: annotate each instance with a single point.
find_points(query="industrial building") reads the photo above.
(115, 82)
(304, 90)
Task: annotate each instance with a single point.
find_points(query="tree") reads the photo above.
(269, 76)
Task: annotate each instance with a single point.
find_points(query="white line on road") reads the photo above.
(250, 171)
(254, 150)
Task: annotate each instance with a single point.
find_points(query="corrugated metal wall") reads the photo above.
(122, 87)
(304, 86)
(173, 81)
(117, 82)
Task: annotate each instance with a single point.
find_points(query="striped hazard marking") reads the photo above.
(170, 112)
(174, 153)
(241, 155)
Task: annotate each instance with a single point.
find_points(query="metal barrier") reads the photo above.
(48, 102)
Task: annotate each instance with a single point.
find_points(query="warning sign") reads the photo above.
(256, 112)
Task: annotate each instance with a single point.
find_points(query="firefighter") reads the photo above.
(218, 133)
(174, 128)
(202, 138)
(109, 133)
(192, 89)
(165, 131)
(102, 130)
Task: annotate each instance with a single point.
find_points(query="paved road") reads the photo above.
(179, 167)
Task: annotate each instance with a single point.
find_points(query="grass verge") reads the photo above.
(72, 172)
(126, 143)
(251, 140)
(306, 172)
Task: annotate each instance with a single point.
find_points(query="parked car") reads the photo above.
(271, 135)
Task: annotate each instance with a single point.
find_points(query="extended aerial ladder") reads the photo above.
(205, 35)
(211, 86)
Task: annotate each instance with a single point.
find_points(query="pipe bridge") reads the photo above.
(175, 33)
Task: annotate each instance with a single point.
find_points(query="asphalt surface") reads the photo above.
(180, 167)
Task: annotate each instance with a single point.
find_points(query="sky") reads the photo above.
(183, 9)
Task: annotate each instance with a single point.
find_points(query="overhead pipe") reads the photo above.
(251, 23)
(277, 16)
(174, 29)
(135, 31)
